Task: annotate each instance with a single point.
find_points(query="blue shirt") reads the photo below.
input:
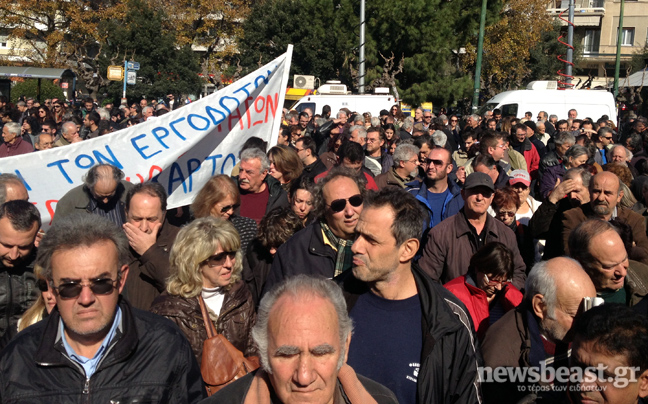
(387, 343)
(90, 364)
(437, 203)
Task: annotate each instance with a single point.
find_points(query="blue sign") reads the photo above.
(133, 65)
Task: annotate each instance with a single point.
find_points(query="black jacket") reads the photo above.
(304, 253)
(149, 360)
(18, 292)
(450, 357)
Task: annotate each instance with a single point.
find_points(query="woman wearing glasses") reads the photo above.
(206, 263)
(220, 198)
(486, 289)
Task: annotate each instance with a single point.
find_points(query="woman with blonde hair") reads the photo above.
(220, 198)
(206, 263)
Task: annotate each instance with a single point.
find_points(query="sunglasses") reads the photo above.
(219, 259)
(338, 205)
(438, 163)
(41, 284)
(495, 283)
(227, 208)
(506, 214)
(72, 290)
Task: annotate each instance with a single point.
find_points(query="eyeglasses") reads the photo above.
(219, 259)
(72, 290)
(413, 161)
(506, 213)
(41, 284)
(608, 138)
(427, 116)
(298, 150)
(453, 120)
(338, 205)
(227, 208)
(370, 140)
(495, 283)
(438, 163)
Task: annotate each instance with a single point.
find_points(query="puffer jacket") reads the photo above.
(235, 320)
(148, 361)
(18, 292)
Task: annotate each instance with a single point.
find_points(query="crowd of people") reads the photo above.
(361, 259)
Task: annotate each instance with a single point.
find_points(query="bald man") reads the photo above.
(12, 188)
(539, 329)
(605, 194)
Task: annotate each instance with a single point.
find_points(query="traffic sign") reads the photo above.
(133, 66)
(131, 78)
(115, 73)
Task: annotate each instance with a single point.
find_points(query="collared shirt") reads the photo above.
(90, 364)
(344, 255)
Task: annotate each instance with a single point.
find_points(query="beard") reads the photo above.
(601, 209)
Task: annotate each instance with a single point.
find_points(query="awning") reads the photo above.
(36, 72)
(637, 79)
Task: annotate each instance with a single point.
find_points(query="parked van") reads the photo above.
(335, 95)
(544, 96)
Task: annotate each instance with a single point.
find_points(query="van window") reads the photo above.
(301, 107)
(509, 110)
(487, 107)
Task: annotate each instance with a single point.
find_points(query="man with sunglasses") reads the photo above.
(602, 140)
(19, 224)
(450, 244)
(150, 237)
(324, 247)
(538, 331)
(94, 347)
(437, 193)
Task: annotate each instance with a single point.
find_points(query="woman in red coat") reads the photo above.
(486, 289)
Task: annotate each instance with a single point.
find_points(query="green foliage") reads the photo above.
(425, 34)
(29, 88)
(164, 68)
(639, 60)
(543, 56)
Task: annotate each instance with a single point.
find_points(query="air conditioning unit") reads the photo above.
(542, 85)
(332, 87)
(304, 82)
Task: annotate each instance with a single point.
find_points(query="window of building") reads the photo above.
(592, 41)
(4, 41)
(627, 37)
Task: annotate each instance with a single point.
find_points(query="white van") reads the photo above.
(539, 96)
(335, 95)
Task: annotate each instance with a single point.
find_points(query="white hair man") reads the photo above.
(303, 333)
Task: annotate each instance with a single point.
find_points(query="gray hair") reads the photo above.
(553, 116)
(14, 127)
(95, 174)
(581, 172)
(80, 230)
(404, 152)
(408, 123)
(475, 117)
(539, 281)
(375, 122)
(565, 137)
(359, 120)
(5, 179)
(439, 138)
(362, 132)
(576, 151)
(290, 115)
(296, 287)
(340, 112)
(67, 125)
(443, 117)
(255, 153)
(147, 108)
(104, 114)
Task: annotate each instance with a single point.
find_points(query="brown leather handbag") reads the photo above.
(221, 363)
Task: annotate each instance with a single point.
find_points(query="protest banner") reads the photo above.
(181, 150)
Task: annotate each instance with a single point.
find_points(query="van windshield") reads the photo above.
(487, 107)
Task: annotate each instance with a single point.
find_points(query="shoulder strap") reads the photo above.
(209, 325)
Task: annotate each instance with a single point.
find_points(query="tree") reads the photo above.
(61, 34)
(213, 26)
(29, 88)
(425, 36)
(508, 41)
(164, 68)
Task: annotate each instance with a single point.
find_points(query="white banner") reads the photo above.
(181, 150)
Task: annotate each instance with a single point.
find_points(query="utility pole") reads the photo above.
(617, 65)
(570, 41)
(480, 50)
(361, 68)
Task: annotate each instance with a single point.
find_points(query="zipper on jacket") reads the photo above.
(11, 300)
(86, 386)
